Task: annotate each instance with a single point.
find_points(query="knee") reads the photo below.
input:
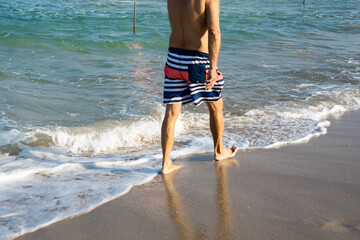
(172, 113)
(215, 107)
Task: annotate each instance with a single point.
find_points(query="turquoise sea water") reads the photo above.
(81, 95)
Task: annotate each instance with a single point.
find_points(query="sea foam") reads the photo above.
(64, 171)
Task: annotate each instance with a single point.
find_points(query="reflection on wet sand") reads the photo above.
(223, 229)
(177, 214)
(224, 223)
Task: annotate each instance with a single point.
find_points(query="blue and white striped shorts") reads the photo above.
(185, 75)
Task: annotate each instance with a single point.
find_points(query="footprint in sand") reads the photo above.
(339, 225)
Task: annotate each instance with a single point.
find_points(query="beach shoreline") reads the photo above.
(302, 191)
(81, 111)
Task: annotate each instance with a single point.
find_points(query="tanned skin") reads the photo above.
(195, 26)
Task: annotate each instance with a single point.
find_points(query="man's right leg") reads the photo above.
(167, 136)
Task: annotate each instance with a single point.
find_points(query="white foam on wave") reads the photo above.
(10, 137)
(320, 129)
(105, 137)
(315, 113)
(306, 85)
(35, 192)
(299, 121)
(77, 169)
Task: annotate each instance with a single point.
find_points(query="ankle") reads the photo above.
(219, 150)
(166, 163)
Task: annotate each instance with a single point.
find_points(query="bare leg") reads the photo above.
(217, 128)
(167, 136)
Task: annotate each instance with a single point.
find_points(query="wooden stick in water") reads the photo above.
(134, 15)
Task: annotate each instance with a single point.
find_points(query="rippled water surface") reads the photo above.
(81, 95)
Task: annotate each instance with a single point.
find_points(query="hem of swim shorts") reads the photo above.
(207, 101)
(183, 103)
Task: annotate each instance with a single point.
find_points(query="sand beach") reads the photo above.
(303, 191)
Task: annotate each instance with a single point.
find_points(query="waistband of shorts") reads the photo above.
(187, 52)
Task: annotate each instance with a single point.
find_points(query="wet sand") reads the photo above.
(304, 191)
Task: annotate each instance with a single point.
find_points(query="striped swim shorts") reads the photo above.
(185, 75)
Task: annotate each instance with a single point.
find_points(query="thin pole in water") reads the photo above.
(304, 2)
(134, 15)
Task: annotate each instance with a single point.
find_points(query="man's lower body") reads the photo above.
(180, 88)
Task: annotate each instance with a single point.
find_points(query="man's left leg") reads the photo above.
(167, 136)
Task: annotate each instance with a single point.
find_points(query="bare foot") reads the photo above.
(228, 153)
(169, 168)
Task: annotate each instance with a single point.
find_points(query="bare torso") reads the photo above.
(188, 25)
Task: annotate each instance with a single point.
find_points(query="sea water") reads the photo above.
(81, 94)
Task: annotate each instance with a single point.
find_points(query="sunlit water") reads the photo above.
(81, 95)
